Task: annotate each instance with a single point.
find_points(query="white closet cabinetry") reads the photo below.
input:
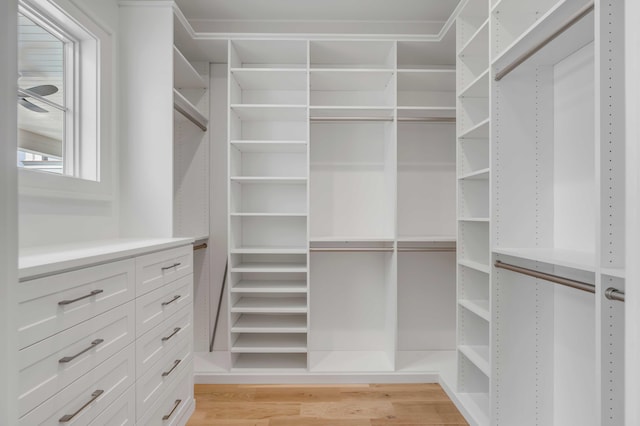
(341, 208)
(106, 333)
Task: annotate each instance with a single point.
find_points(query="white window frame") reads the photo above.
(89, 152)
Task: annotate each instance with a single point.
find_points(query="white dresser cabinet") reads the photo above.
(106, 334)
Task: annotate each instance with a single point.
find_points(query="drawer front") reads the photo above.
(54, 363)
(154, 308)
(122, 412)
(170, 409)
(162, 375)
(51, 304)
(154, 345)
(88, 396)
(157, 269)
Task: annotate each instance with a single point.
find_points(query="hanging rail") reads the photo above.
(580, 285)
(385, 119)
(614, 294)
(352, 249)
(529, 53)
(200, 246)
(189, 117)
(426, 249)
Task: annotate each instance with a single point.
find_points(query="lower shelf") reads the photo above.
(270, 343)
(350, 361)
(479, 356)
(271, 362)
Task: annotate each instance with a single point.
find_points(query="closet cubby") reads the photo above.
(473, 156)
(352, 54)
(273, 199)
(473, 56)
(348, 335)
(473, 196)
(352, 180)
(268, 234)
(426, 165)
(268, 164)
(471, 21)
(426, 88)
(268, 54)
(473, 340)
(474, 290)
(473, 390)
(253, 86)
(421, 55)
(474, 242)
(545, 155)
(352, 87)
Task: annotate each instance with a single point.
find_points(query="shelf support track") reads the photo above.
(579, 285)
(529, 53)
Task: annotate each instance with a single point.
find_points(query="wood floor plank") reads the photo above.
(309, 421)
(347, 410)
(297, 394)
(248, 411)
(428, 412)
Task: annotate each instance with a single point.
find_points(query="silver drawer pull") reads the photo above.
(175, 406)
(71, 358)
(171, 301)
(68, 417)
(175, 364)
(175, 265)
(68, 302)
(175, 331)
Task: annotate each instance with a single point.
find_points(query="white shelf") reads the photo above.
(267, 305)
(269, 250)
(259, 362)
(347, 239)
(350, 79)
(270, 146)
(575, 37)
(270, 343)
(474, 219)
(427, 80)
(268, 215)
(478, 88)
(427, 111)
(584, 261)
(478, 307)
(614, 272)
(481, 267)
(351, 111)
(477, 175)
(184, 106)
(270, 287)
(479, 131)
(424, 361)
(270, 267)
(270, 78)
(479, 356)
(184, 75)
(267, 179)
(477, 405)
(266, 112)
(255, 323)
(478, 43)
(427, 239)
(350, 361)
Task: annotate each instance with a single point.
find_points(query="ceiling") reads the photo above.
(319, 10)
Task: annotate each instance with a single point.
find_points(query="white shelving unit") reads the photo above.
(268, 170)
(474, 224)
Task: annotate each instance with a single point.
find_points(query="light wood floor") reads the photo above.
(345, 405)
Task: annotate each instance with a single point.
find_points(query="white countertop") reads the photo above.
(38, 261)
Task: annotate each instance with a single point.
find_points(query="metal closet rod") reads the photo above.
(529, 53)
(386, 119)
(382, 249)
(189, 117)
(579, 285)
(200, 246)
(614, 294)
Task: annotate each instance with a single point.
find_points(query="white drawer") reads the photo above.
(157, 269)
(47, 367)
(54, 303)
(155, 307)
(172, 406)
(154, 345)
(121, 413)
(162, 375)
(88, 396)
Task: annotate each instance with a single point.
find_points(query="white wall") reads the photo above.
(8, 211)
(54, 220)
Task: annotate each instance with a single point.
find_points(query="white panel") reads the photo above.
(426, 301)
(574, 162)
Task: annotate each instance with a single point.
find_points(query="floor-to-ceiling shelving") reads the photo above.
(268, 204)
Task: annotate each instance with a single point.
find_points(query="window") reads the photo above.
(58, 92)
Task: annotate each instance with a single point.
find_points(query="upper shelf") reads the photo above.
(270, 78)
(352, 54)
(184, 75)
(268, 54)
(428, 80)
(350, 79)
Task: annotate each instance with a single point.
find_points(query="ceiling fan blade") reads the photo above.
(43, 90)
(33, 107)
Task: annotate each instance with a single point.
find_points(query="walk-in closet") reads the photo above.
(216, 202)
